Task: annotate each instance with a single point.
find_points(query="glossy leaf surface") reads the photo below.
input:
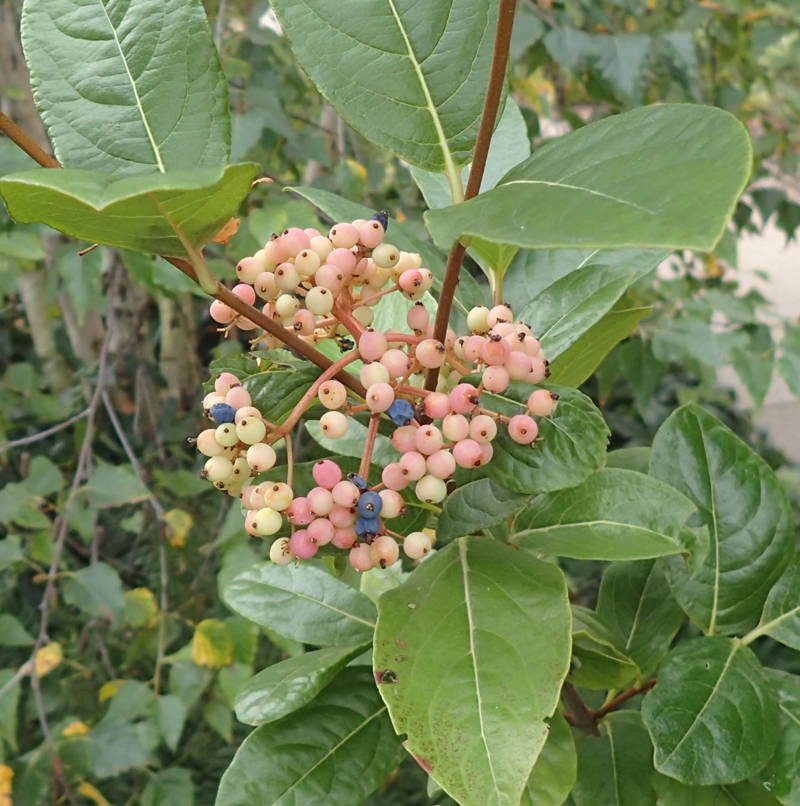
(475, 506)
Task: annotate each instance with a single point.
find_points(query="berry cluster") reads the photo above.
(324, 288)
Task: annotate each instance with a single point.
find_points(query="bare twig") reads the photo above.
(48, 432)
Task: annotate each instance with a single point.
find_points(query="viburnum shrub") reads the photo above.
(447, 417)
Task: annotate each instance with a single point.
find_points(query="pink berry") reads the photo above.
(455, 427)
(417, 545)
(482, 429)
(304, 322)
(472, 347)
(410, 280)
(344, 537)
(503, 329)
(371, 233)
(224, 381)
(495, 379)
(463, 398)
(294, 240)
(372, 345)
(345, 494)
(329, 277)
(365, 269)
(312, 232)
(245, 292)
(246, 497)
(403, 438)
(299, 512)
(427, 280)
(248, 268)
(238, 397)
(538, 371)
(379, 397)
(428, 439)
(522, 429)
(341, 516)
(344, 235)
(500, 313)
(386, 550)
(495, 351)
(301, 545)
(393, 504)
(542, 403)
(412, 465)
(531, 346)
(343, 259)
(265, 286)
(275, 252)
(393, 477)
(487, 451)
(374, 372)
(362, 557)
(437, 405)
(430, 353)
(320, 531)
(468, 453)
(249, 523)
(418, 317)
(332, 394)
(257, 497)
(221, 313)
(518, 365)
(326, 473)
(320, 500)
(441, 464)
(396, 363)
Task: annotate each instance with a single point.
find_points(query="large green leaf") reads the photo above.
(588, 188)
(470, 653)
(99, 208)
(574, 445)
(97, 590)
(336, 750)
(291, 684)
(746, 511)
(128, 88)
(554, 772)
(409, 76)
(275, 393)
(789, 362)
(636, 602)
(713, 716)
(615, 769)
(613, 515)
(597, 661)
(674, 793)
(477, 505)
(781, 617)
(303, 603)
(781, 776)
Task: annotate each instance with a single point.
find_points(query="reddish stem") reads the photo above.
(372, 432)
(624, 697)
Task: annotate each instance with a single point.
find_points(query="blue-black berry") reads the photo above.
(222, 413)
(370, 504)
(401, 412)
(382, 218)
(358, 481)
(367, 527)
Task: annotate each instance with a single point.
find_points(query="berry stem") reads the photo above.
(354, 327)
(289, 460)
(494, 94)
(17, 136)
(375, 296)
(372, 433)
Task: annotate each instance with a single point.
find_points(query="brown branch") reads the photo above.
(16, 135)
(16, 443)
(494, 93)
(624, 697)
(581, 715)
(369, 446)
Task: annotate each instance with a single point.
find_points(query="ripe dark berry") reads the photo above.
(358, 481)
(383, 218)
(370, 504)
(367, 527)
(222, 413)
(401, 412)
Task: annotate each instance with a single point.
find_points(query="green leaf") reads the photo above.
(97, 590)
(789, 361)
(554, 772)
(352, 443)
(99, 208)
(477, 505)
(576, 364)
(336, 750)
(128, 88)
(586, 189)
(597, 661)
(574, 445)
(615, 769)
(169, 715)
(674, 793)
(497, 657)
(218, 716)
(754, 365)
(746, 511)
(712, 716)
(114, 486)
(303, 603)
(636, 602)
(289, 685)
(12, 633)
(781, 776)
(275, 393)
(613, 515)
(781, 617)
(114, 747)
(401, 85)
(637, 459)
(170, 787)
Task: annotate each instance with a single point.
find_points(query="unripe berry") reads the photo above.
(241, 470)
(280, 552)
(265, 286)
(503, 329)
(396, 362)
(428, 439)
(372, 345)
(472, 348)
(307, 262)
(427, 279)
(247, 493)
(248, 524)
(538, 371)
(431, 490)
(345, 494)
(261, 457)
(294, 240)
(500, 313)
(379, 396)
(251, 430)
(333, 424)
(370, 504)
(468, 453)
(320, 500)
(455, 427)
(267, 521)
(393, 477)
(418, 317)
(387, 552)
(248, 268)
(482, 429)
(275, 252)
(327, 473)
(302, 546)
(226, 435)
(364, 270)
(371, 234)
(304, 322)
(463, 398)
(364, 315)
(437, 405)
(417, 545)
(441, 464)
(344, 537)
(406, 261)
(319, 301)
(343, 259)
(342, 517)
(278, 496)
(378, 280)
(374, 372)
(330, 277)
(487, 451)
(217, 469)
(320, 531)
(495, 351)
(477, 319)
(221, 313)
(257, 497)
(287, 278)
(344, 235)
(393, 504)
(531, 346)
(245, 292)
(495, 379)
(244, 413)
(522, 429)
(362, 557)
(238, 397)
(430, 353)
(518, 365)
(207, 443)
(332, 394)
(299, 512)
(412, 465)
(385, 256)
(403, 438)
(542, 403)
(244, 324)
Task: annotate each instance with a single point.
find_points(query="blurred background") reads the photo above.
(139, 707)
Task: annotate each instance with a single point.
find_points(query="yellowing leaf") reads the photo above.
(178, 525)
(140, 607)
(47, 658)
(212, 645)
(76, 728)
(88, 791)
(6, 774)
(228, 231)
(108, 690)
